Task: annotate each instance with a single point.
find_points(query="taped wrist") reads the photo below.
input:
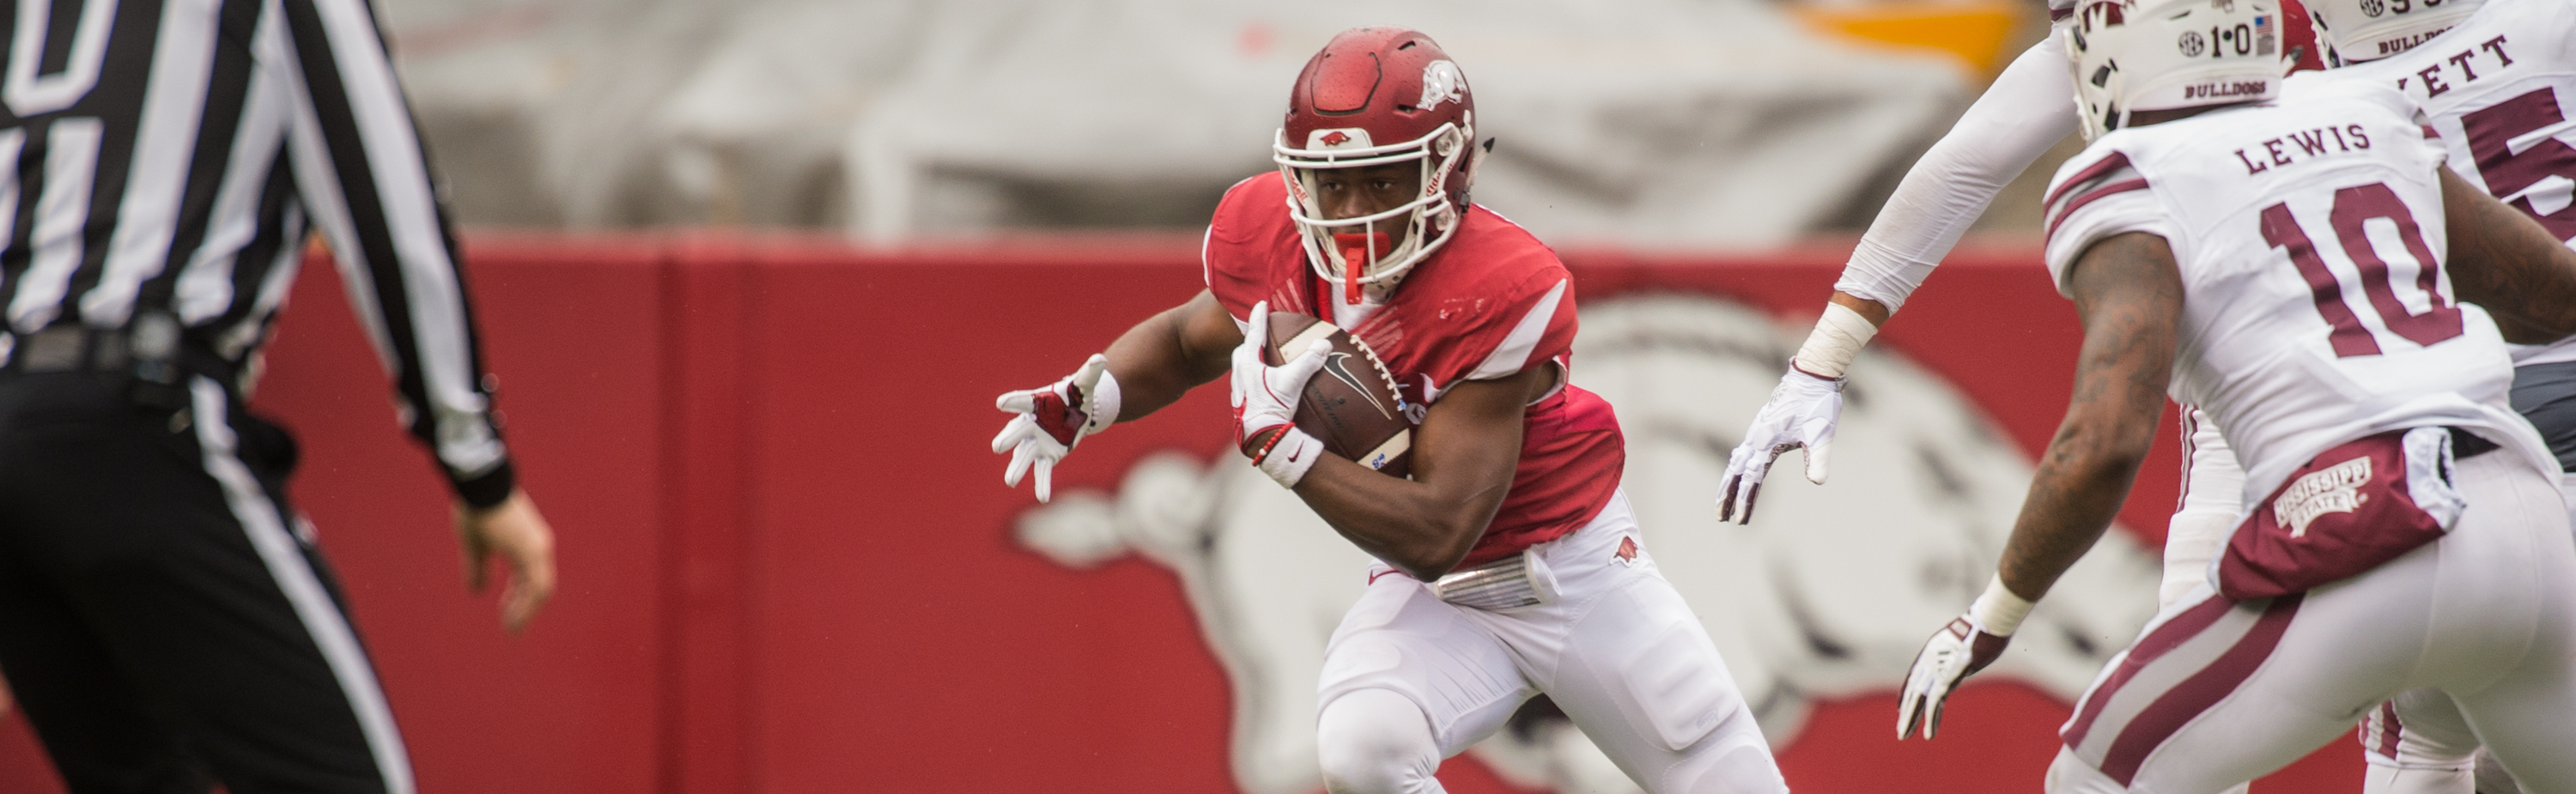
(1286, 455)
(1103, 404)
(1998, 612)
(1838, 338)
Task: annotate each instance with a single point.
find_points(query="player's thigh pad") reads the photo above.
(1617, 623)
(1643, 680)
(1400, 638)
(1626, 658)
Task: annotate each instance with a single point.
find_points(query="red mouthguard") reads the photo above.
(1357, 250)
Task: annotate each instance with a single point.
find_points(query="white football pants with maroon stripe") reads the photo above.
(2216, 693)
(1410, 679)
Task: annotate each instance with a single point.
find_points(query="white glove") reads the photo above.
(1265, 399)
(1967, 645)
(1052, 419)
(1801, 413)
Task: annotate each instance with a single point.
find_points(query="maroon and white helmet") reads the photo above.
(2133, 55)
(2368, 30)
(1373, 96)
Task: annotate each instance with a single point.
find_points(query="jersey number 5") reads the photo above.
(2491, 132)
(2353, 207)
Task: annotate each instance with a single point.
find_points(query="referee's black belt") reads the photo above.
(155, 371)
(69, 348)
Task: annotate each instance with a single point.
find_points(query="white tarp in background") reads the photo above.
(1658, 122)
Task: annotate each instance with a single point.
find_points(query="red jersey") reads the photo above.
(1490, 303)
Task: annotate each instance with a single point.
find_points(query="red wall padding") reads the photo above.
(786, 552)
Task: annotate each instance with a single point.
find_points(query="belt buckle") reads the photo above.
(1515, 582)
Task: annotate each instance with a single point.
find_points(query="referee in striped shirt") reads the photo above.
(165, 619)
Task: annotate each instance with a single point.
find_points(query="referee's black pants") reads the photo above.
(165, 620)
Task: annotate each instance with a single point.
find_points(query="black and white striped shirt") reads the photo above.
(171, 155)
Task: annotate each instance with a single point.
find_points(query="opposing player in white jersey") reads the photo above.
(2491, 86)
(2493, 80)
(2023, 113)
(2338, 304)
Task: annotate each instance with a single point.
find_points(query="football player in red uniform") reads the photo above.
(1509, 564)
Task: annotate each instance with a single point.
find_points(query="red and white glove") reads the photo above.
(1967, 645)
(1052, 419)
(1802, 413)
(1265, 403)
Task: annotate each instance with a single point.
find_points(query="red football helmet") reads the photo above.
(1375, 96)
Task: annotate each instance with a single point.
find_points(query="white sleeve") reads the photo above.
(2096, 195)
(2030, 107)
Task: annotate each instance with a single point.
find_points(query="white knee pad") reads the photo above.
(1734, 759)
(1373, 741)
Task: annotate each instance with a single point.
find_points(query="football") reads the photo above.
(1352, 405)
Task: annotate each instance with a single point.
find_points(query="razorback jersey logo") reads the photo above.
(1627, 552)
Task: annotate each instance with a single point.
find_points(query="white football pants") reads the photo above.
(1409, 679)
(2216, 693)
(2418, 743)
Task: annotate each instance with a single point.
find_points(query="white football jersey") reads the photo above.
(2498, 89)
(2308, 233)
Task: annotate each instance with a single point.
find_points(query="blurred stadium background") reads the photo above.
(744, 265)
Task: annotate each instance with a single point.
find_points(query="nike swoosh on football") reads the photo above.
(1341, 371)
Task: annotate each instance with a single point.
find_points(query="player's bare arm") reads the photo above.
(1873, 311)
(1171, 353)
(2503, 261)
(1464, 456)
(2129, 295)
(1186, 346)
(1165, 356)
(2128, 292)
(1157, 361)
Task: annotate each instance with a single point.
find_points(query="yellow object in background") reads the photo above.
(1973, 31)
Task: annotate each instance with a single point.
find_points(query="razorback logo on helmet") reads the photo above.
(1441, 80)
(1339, 138)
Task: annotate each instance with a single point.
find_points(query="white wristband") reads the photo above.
(1290, 457)
(1998, 612)
(1838, 338)
(1104, 404)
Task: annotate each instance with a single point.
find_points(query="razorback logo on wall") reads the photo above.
(1826, 596)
